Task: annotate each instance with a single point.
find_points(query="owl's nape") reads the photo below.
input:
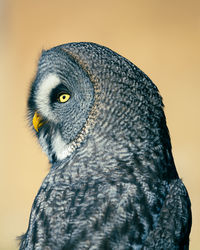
(113, 183)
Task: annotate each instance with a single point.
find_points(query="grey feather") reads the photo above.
(113, 183)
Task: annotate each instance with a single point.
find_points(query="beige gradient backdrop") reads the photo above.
(161, 37)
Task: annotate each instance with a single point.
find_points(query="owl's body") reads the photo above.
(113, 183)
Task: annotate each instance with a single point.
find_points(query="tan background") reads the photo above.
(161, 37)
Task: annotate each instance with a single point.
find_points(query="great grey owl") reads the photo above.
(112, 182)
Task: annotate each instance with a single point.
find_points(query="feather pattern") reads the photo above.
(113, 183)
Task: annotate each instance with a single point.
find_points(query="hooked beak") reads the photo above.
(38, 121)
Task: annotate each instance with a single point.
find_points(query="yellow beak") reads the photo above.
(37, 121)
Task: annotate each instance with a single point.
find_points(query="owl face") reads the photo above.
(86, 89)
(60, 101)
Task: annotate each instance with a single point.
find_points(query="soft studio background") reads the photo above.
(161, 37)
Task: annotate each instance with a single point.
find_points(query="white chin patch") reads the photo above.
(43, 95)
(60, 148)
(43, 143)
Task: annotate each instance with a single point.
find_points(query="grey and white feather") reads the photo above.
(112, 182)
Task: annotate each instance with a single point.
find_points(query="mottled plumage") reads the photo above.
(113, 183)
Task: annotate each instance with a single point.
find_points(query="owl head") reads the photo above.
(84, 90)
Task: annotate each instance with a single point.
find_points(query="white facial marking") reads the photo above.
(60, 148)
(43, 143)
(43, 94)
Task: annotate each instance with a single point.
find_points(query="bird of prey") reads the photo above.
(112, 183)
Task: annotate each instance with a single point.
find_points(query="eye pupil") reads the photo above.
(63, 97)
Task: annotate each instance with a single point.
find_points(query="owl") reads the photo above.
(112, 183)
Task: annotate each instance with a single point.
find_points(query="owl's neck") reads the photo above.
(110, 147)
(114, 154)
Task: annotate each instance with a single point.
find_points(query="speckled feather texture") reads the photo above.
(112, 182)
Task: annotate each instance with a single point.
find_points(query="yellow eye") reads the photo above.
(63, 97)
